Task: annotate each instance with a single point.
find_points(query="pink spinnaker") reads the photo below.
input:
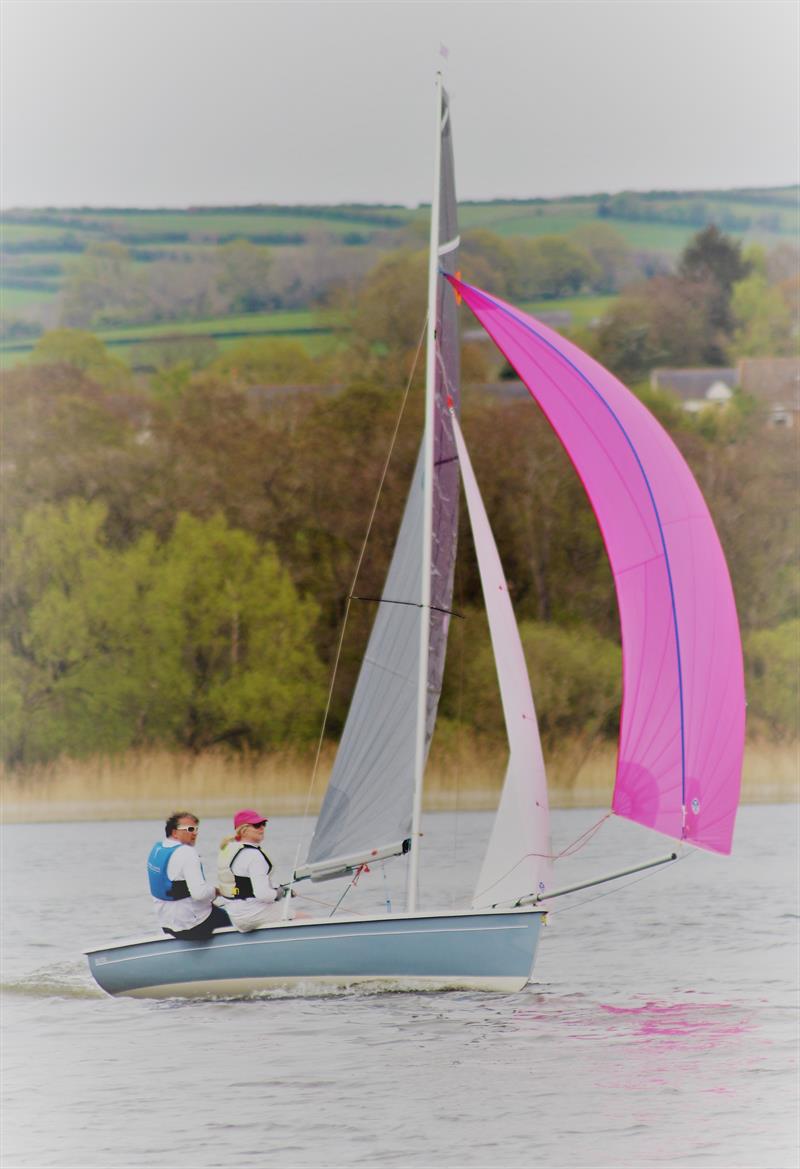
(683, 710)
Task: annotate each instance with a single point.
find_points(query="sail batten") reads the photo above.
(682, 662)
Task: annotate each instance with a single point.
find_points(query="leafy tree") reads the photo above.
(488, 260)
(102, 287)
(268, 361)
(665, 321)
(678, 320)
(710, 255)
(552, 266)
(181, 290)
(64, 435)
(575, 678)
(553, 554)
(388, 318)
(610, 252)
(82, 351)
(217, 451)
(164, 356)
(244, 271)
(68, 606)
(200, 639)
(772, 660)
(748, 476)
(246, 639)
(715, 261)
(319, 273)
(764, 319)
(783, 263)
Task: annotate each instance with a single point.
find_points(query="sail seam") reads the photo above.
(601, 398)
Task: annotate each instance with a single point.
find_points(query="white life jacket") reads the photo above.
(229, 885)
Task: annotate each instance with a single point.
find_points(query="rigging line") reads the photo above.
(571, 849)
(351, 885)
(315, 900)
(581, 841)
(360, 561)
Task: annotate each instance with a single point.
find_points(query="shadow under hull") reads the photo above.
(492, 950)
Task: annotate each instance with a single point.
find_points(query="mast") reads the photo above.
(427, 527)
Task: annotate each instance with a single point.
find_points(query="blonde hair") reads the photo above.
(236, 836)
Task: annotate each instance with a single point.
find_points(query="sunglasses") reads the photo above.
(260, 824)
(188, 828)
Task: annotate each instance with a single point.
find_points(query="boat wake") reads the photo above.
(313, 990)
(64, 980)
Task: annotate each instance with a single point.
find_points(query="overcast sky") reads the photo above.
(175, 102)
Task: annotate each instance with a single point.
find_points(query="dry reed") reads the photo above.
(465, 773)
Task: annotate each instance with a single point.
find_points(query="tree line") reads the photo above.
(108, 285)
(179, 548)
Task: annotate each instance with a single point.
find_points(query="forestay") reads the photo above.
(682, 722)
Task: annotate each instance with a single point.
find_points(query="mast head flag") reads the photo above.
(683, 710)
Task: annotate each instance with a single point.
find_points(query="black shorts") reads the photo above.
(204, 929)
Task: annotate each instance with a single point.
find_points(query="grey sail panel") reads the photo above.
(368, 801)
(368, 804)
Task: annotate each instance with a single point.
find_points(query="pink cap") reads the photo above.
(247, 816)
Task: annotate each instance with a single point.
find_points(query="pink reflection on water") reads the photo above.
(680, 1019)
(652, 1044)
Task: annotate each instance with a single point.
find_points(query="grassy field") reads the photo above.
(246, 324)
(15, 231)
(141, 225)
(315, 332)
(507, 218)
(39, 247)
(147, 784)
(16, 298)
(584, 309)
(129, 343)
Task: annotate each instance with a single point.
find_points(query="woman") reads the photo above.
(243, 874)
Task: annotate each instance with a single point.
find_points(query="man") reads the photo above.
(182, 897)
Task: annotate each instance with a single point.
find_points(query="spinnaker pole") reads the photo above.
(537, 898)
(427, 526)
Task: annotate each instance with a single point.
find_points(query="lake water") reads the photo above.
(661, 1029)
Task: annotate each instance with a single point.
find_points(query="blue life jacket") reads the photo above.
(160, 884)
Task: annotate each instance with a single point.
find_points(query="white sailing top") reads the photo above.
(261, 908)
(184, 865)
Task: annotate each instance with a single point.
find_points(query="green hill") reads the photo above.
(40, 248)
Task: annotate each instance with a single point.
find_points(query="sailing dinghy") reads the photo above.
(682, 722)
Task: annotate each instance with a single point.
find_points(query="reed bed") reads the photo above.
(464, 774)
